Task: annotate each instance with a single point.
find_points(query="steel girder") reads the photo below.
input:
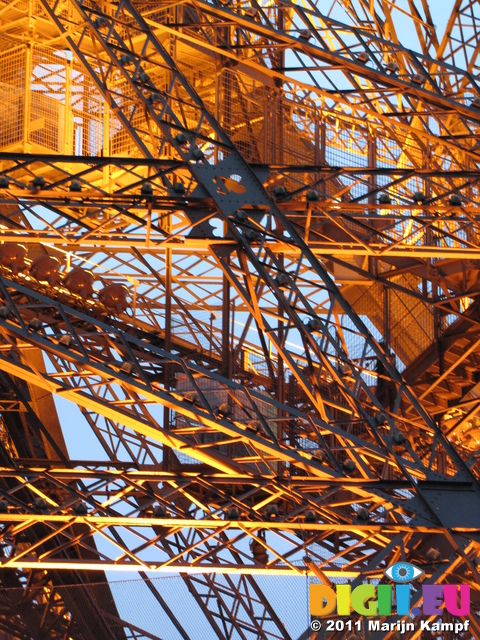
(210, 176)
(435, 228)
(458, 45)
(407, 503)
(39, 604)
(381, 16)
(118, 376)
(366, 86)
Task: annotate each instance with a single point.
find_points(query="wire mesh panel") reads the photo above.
(223, 401)
(411, 322)
(137, 614)
(34, 114)
(86, 109)
(242, 112)
(297, 139)
(13, 71)
(47, 112)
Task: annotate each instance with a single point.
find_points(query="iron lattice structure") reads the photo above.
(242, 238)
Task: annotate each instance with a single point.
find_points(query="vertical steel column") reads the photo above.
(227, 365)
(167, 453)
(26, 98)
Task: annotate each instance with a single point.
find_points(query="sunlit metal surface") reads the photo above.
(242, 238)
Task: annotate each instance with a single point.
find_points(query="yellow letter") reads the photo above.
(343, 599)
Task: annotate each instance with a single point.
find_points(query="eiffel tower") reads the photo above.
(239, 309)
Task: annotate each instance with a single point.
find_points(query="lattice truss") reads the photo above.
(242, 238)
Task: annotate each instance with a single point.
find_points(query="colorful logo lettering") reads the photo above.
(403, 572)
(368, 600)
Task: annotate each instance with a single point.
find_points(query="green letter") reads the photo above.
(319, 593)
(384, 596)
(360, 595)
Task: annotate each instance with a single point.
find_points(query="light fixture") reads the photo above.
(191, 397)
(255, 425)
(345, 369)
(363, 57)
(349, 466)
(159, 511)
(46, 269)
(3, 506)
(181, 138)
(80, 282)
(80, 508)
(381, 417)
(4, 182)
(313, 324)
(419, 197)
(305, 34)
(312, 195)
(418, 78)
(39, 182)
(224, 410)
(75, 186)
(41, 504)
(35, 324)
(384, 199)
(233, 513)
(240, 216)
(114, 298)
(101, 22)
(433, 555)
(272, 512)
(179, 188)
(153, 98)
(146, 190)
(4, 312)
(363, 514)
(197, 154)
(126, 59)
(398, 437)
(455, 201)
(66, 340)
(279, 191)
(13, 256)
(310, 516)
(127, 367)
(143, 76)
(251, 235)
(281, 280)
(392, 66)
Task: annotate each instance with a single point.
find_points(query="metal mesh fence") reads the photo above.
(47, 113)
(153, 609)
(242, 108)
(410, 322)
(12, 97)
